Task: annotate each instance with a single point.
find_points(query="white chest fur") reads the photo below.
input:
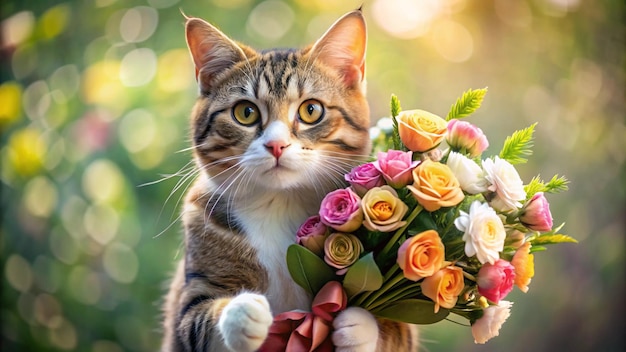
(271, 222)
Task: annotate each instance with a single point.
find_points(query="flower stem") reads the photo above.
(404, 292)
(400, 231)
(386, 287)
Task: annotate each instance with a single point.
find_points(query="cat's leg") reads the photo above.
(239, 324)
(245, 321)
(357, 330)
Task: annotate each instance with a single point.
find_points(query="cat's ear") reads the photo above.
(212, 51)
(342, 48)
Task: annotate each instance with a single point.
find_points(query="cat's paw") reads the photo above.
(245, 321)
(356, 330)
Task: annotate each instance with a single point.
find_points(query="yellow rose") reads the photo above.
(435, 186)
(444, 287)
(341, 250)
(421, 255)
(421, 130)
(383, 210)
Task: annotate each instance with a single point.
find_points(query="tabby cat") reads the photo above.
(273, 132)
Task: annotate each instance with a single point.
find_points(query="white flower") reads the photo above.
(470, 175)
(506, 183)
(489, 324)
(484, 233)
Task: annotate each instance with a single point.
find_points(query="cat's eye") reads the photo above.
(246, 113)
(311, 111)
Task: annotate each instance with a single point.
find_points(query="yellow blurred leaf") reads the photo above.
(10, 98)
(26, 151)
(54, 21)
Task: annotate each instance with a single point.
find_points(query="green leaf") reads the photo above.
(412, 311)
(395, 111)
(552, 239)
(363, 275)
(518, 145)
(468, 103)
(555, 185)
(395, 106)
(307, 269)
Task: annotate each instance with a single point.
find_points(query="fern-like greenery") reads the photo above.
(556, 185)
(395, 111)
(468, 103)
(518, 146)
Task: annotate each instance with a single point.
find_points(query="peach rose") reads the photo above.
(444, 287)
(421, 255)
(420, 130)
(435, 186)
(383, 210)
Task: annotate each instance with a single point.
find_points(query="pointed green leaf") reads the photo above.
(557, 184)
(363, 275)
(468, 103)
(395, 106)
(307, 269)
(412, 311)
(518, 145)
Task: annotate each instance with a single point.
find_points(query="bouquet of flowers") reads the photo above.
(424, 231)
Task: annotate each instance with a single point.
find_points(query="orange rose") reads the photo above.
(420, 130)
(421, 255)
(444, 287)
(524, 265)
(435, 186)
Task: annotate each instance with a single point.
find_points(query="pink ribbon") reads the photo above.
(298, 331)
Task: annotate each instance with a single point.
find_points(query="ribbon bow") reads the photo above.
(298, 331)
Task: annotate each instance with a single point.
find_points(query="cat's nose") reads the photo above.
(276, 148)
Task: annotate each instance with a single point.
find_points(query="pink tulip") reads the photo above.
(396, 167)
(495, 281)
(463, 136)
(536, 213)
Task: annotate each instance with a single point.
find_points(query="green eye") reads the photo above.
(246, 113)
(311, 111)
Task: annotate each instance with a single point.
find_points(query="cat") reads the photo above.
(272, 133)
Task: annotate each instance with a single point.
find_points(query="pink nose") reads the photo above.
(276, 147)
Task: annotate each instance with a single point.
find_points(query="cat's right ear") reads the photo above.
(212, 51)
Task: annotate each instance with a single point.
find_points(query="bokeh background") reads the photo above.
(94, 102)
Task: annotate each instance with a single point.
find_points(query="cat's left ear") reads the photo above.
(342, 48)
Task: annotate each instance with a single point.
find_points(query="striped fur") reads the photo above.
(257, 183)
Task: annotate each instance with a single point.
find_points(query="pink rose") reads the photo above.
(312, 234)
(396, 167)
(364, 177)
(495, 281)
(536, 213)
(341, 210)
(466, 138)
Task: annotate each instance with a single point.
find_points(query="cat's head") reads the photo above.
(280, 119)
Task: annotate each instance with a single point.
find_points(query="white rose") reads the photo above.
(471, 177)
(489, 324)
(506, 183)
(484, 233)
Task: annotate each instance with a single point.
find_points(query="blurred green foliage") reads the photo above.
(94, 101)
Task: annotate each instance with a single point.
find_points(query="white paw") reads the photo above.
(356, 330)
(245, 322)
